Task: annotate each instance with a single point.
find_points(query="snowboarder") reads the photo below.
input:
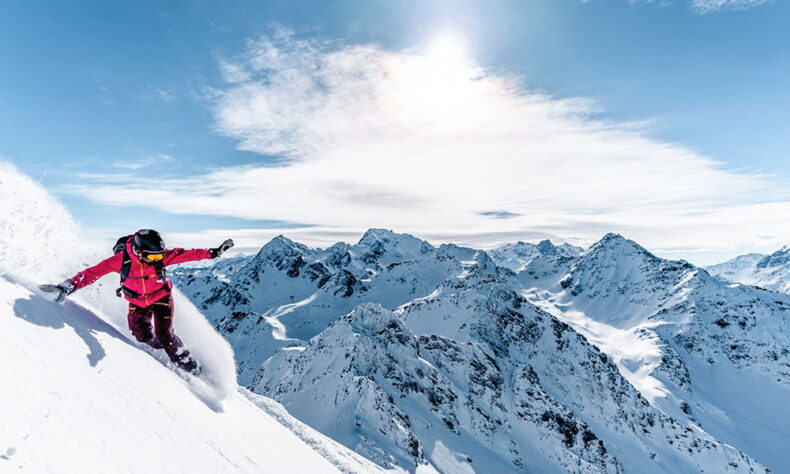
(141, 259)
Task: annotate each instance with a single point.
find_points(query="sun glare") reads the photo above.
(443, 85)
(447, 50)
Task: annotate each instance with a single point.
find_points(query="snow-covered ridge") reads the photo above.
(517, 256)
(767, 271)
(732, 268)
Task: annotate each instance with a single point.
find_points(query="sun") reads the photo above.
(447, 50)
(437, 89)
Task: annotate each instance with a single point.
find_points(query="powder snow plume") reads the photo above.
(39, 240)
(41, 243)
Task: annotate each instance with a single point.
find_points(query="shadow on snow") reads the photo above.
(42, 312)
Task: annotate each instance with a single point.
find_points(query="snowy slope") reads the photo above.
(736, 269)
(78, 395)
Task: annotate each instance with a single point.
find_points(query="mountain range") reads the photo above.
(525, 358)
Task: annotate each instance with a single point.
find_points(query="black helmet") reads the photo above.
(148, 241)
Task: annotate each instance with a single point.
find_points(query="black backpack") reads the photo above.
(126, 266)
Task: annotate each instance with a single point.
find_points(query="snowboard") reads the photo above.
(54, 291)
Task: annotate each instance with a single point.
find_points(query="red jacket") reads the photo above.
(142, 278)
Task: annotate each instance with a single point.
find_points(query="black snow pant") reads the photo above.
(161, 335)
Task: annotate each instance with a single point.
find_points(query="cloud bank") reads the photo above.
(428, 142)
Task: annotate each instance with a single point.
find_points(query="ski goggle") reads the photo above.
(154, 257)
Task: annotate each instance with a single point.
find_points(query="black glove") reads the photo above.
(221, 249)
(63, 289)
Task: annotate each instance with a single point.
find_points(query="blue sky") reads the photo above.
(137, 97)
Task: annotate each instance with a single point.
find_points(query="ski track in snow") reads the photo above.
(279, 331)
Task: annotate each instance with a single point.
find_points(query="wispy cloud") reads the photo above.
(151, 161)
(499, 214)
(708, 6)
(429, 142)
(157, 94)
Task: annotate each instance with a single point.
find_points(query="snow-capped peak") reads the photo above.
(278, 246)
(546, 247)
(614, 263)
(616, 245)
(384, 247)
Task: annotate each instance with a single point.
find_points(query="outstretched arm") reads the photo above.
(91, 274)
(85, 277)
(178, 255)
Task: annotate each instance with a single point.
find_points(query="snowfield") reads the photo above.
(78, 394)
